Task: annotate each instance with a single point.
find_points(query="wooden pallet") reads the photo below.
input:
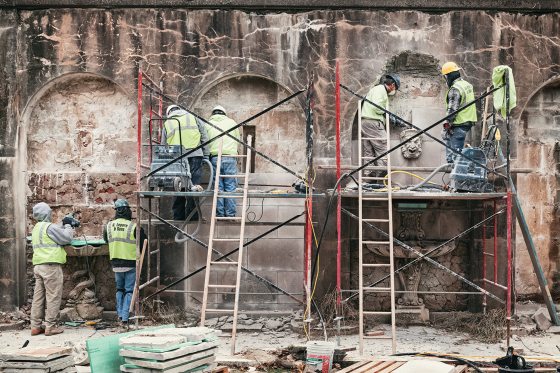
(378, 366)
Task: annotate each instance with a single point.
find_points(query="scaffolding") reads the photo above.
(488, 286)
(151, 100)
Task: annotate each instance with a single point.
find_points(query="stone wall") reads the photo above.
(191, 51)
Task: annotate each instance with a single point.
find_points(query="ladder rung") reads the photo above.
(234, 155)
(224, 263)
(376, 220)
(225, 239)
(374, 138)
(228, 217)
(377, 242)
(377, 337)
(232, 175)
(223, 286)
(367, 288)
(376, 265)
(374, 199)
(218, 310)
(230, 196)
(377, 312)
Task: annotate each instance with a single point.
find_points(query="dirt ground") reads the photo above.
(409, 339)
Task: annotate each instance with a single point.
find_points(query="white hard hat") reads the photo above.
(171, 108)
(219, 108)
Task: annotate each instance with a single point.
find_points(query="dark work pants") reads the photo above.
(182, 206)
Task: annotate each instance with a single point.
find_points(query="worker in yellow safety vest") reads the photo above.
(460, 92)
(183, 128)
(225, 207)
(374, 134)
(48, 257)
(120, 234)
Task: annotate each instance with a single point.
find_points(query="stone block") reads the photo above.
(104, 188)
(88, 311)
(152, 341)
(275, 254)
(69, 314)
(542, 319)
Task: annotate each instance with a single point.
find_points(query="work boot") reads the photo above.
(37, 331)
(53, 331)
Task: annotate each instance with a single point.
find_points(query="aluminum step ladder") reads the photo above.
(386, 224)
(214, 265)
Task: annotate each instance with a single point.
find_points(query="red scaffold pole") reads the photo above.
(509, 259)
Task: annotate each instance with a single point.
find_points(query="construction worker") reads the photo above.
(225, 206)
(48, 257)
(456, 127)
(373, 121)
(120, 233)
(183, 128)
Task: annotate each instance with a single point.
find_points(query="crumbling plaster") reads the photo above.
(190, 49)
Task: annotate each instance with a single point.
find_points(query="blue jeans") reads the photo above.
(457, 141)
(125, 286)
(226, 206)
(182, 206)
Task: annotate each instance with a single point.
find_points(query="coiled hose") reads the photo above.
(180, 237)
(430, 176)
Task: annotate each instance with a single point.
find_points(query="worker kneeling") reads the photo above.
(120, 233)
(48, 257)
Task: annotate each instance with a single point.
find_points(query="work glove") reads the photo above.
(396, 121)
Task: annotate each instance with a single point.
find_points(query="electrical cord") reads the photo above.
(254, 218)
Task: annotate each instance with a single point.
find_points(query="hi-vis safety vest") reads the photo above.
(45, 250)
(378, 95)
(122, 244)
(467, 95)
(224, 123)
(182, 129)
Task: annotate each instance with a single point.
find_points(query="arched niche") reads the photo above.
(280, 133)
(419, 100)
(539, 191)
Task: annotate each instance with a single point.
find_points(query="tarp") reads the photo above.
(500, 95)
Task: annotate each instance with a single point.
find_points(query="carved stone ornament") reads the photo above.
(413, 148)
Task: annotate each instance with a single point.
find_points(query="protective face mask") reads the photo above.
(392, 93)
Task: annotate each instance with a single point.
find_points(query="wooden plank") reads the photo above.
(355, 366)
(368, 367)
(460, 369)
(392, 367)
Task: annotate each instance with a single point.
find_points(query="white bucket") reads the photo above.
(319, 356)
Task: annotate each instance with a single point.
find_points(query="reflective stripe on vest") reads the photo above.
(122, 244)
(224, 123)
(467, 95)
(188, 135)
(377, 95)
(45, 250)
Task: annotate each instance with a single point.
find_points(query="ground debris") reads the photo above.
(488, 328)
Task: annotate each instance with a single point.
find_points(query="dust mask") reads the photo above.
(392, 93)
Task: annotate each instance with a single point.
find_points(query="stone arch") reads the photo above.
(539, 149)
(419, 100)
(279, 133)
(77, 152)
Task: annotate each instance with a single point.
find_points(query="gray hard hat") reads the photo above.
(121, 202)
(219, 108)
(171, 108)
(395, 78)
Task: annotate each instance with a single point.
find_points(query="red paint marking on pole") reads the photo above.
(495, 243)
(339, 198)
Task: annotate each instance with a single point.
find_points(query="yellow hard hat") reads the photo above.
(449, 67)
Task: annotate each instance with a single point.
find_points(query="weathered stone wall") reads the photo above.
(191, 50)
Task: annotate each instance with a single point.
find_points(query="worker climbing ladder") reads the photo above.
(385, 223)
(212, 265)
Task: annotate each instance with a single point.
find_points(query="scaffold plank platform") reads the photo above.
(403, 194)
(154, 193)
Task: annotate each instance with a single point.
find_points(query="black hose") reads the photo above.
(458, 359)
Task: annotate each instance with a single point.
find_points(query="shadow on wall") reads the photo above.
(540, 191)
(80, 146)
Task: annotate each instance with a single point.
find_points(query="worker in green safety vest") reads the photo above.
(183, 128)
(120, 234)
(225, 207)
(374, 134)
(458, 125)
(48, 257)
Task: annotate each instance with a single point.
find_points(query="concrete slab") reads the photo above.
(163, 356)
(52, 365)
(193, 360)
(191, 367)
(193, 334)
(152, 341)
(36, 354)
